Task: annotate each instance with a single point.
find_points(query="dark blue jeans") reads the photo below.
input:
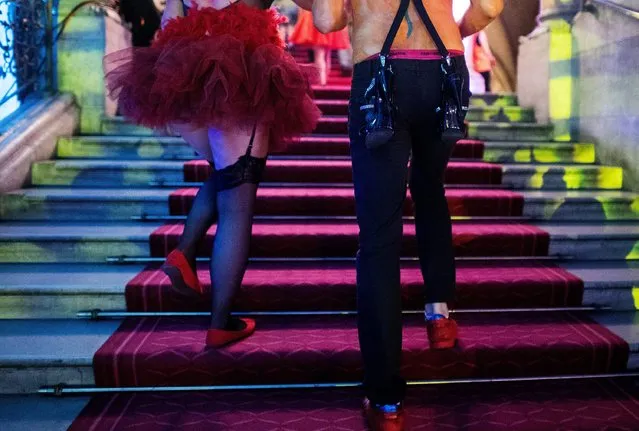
(381, 176)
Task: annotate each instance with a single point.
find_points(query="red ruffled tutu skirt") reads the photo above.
(305, 34)
(225, 69)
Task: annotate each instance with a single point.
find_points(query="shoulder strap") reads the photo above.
(421, 10)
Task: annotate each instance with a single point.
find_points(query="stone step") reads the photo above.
(493, 131)
(494, 99)
(338, 125)
(505, 114)
(562, 177)
(59, 291)
(122, 173)
(538, 152)
(94, 242)
(572, 205)
(72, 242)
(67, 204)
(174, 148)
(608, 284)
(53, 414)
(55, 291)
(47, 352)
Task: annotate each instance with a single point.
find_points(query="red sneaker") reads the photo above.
(384, 418)
(442, 333)
(182, 276)
(221, 337)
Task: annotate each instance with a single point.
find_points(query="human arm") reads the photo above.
(173, 9)
(479, 15)
(483, 40)
(329, 15)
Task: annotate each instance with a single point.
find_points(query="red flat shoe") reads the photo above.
(384, 418)
(182, 276)
(221, 337)
(442, 333)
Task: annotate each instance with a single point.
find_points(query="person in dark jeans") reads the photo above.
(381, 175)
(381, 178)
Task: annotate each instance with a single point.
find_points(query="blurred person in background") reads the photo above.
(306, 35)
(483, 59)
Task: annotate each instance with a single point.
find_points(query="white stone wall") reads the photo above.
(607, 55)
(33, 137)
(587, 85)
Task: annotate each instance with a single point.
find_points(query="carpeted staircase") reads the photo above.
(525, 209)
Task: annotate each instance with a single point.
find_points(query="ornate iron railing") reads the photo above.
(27, 47)
(29, 30)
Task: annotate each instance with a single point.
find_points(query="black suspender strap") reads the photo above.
(421, 10)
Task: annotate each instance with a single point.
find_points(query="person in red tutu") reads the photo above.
(217, 73)
(305, 34)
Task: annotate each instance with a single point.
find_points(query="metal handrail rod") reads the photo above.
(121, 260)
(62, 389)
(106, 314)
(631, 13)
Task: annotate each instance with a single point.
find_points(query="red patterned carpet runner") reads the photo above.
(532, 406)
(331, 286)
(170, 351)
(322, 239)
(295, 201)
(339, 171)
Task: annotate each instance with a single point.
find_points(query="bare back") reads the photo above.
(372, 20)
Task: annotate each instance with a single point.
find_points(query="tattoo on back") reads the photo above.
(410, 25)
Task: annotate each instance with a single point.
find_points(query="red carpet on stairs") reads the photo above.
(332, 91)
(339, 171)
(339, 239)
(533, 406)
(341, 202)
(169, 351)
(331, 286)
(339, 146)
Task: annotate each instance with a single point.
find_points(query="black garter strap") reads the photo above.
(247, 169)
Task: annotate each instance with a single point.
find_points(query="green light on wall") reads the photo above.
(560, 87)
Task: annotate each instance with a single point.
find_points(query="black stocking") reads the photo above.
(231, 250)
(201, 217)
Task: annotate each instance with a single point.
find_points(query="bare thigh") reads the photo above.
(197, 138)
(227, 147)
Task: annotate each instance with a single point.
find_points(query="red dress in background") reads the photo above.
(305, 34)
